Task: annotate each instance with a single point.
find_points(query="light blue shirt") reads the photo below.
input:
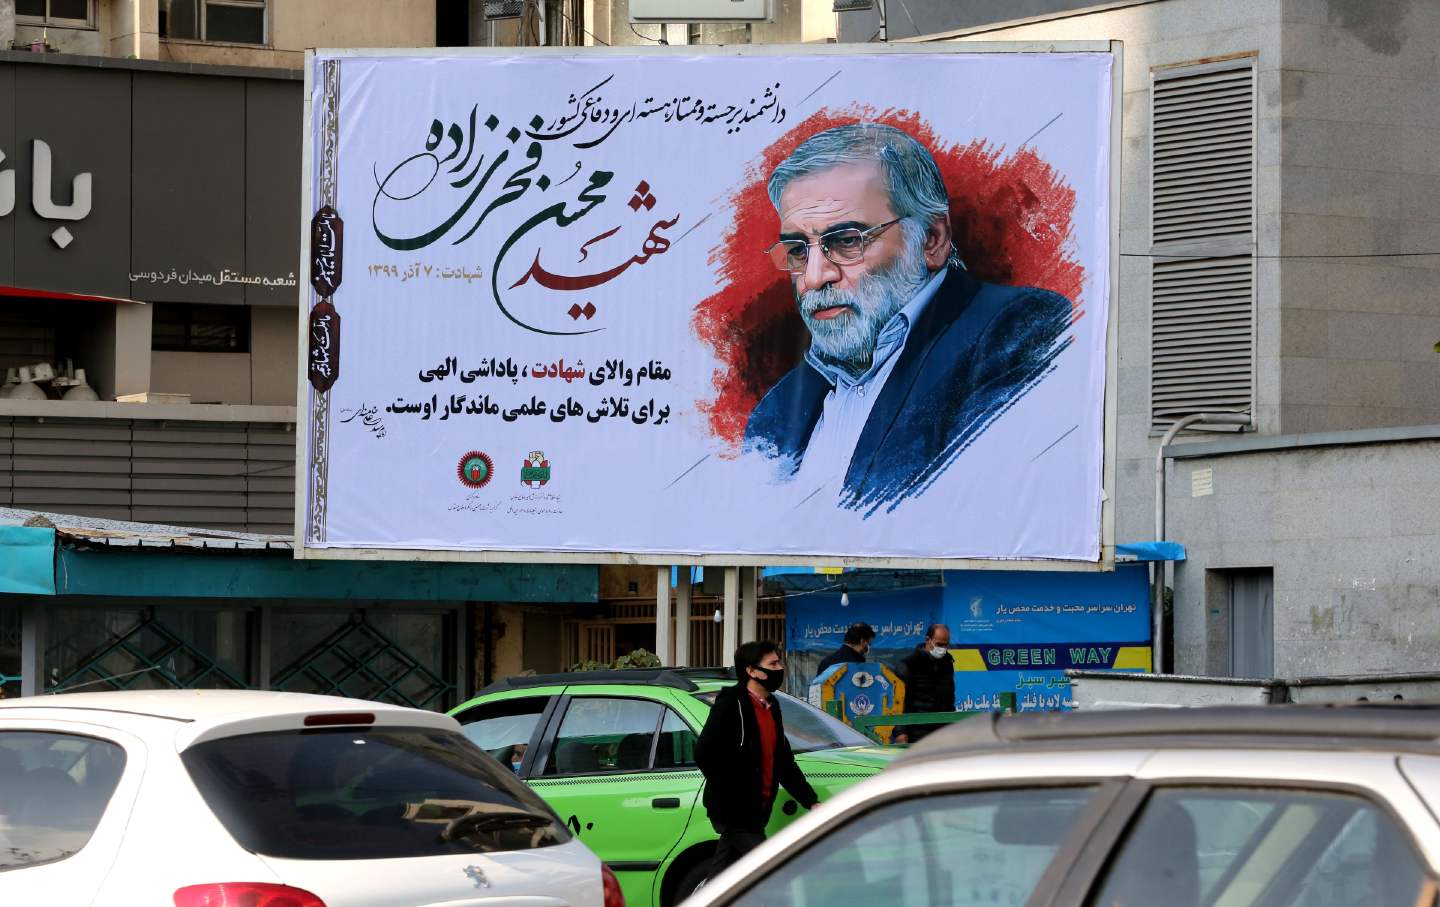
(848, 404)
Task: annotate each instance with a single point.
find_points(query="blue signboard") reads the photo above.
(1018, 632)
(1009, 631)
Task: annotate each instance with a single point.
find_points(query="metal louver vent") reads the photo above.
(853, 6)
(1202, 337)
(1202, 330)
(1203, 161)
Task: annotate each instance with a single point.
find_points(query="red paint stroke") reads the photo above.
(1012, 220)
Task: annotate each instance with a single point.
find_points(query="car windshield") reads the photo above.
(808, 729)
(367, 794)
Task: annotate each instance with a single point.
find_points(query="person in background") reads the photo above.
(745, 757)
(929, 675)
(852, 651)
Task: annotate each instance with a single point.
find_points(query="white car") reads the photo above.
(1275, 806)
(215, 798)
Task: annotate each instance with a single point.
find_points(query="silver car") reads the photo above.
(1279, 806)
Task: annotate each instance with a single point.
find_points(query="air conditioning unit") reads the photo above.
(699, 10)
(504, 9)
(853, 6)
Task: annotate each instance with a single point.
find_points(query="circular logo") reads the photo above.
(475, 469)
(861, 705)
(862, 679)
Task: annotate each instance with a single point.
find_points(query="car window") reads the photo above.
(367, 794)
(807, 728)
(504, 729)
(601, 734)
(676, 748)
(53, 790)
(982, 848)
(1262, 848)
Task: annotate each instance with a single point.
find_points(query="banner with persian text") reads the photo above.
(782, 304)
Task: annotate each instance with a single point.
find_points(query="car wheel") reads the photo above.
(693, 878)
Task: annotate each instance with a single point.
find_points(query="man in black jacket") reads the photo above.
(744, 755)
(853, 650)
(929, 675)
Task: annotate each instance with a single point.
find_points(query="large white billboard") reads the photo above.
(779, 306)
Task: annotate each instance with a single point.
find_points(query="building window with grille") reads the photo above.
(221, 21)
(1203, 158)
(71, 13)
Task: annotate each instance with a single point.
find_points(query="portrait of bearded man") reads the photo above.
(910, 358)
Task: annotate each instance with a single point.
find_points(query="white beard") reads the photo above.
(848, 340)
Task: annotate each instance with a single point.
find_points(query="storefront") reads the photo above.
(99, 605)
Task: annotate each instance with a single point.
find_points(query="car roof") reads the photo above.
(688, 680)
(195, 705)
(1354, 726)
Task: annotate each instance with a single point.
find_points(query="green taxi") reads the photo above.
(613, 753)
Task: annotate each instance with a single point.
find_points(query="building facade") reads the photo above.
(1279, 240)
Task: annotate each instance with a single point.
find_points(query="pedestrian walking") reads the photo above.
(745, 757)
(929, 675)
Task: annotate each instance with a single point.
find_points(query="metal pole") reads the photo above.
(729, 639)
(683, 591)
(1157, 650)
(884, 29)
(663, 633)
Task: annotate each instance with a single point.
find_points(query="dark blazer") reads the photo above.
(975, 350)
(929, 687)
(729, 757)
(842, 655)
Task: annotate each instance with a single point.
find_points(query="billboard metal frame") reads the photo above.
(306, 393)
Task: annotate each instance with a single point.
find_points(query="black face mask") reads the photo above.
(772, 680)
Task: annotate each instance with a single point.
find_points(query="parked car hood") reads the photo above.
(863, 758)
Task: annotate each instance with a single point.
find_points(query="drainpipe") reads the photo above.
(1157, 616)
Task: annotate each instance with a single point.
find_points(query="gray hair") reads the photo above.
(911, 177)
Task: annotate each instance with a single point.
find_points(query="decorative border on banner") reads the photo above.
(319, 467)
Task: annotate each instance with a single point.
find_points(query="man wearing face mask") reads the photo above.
(929, 675)
(745, 757)
(853, 650)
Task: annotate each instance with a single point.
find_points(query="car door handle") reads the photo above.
(666, 803)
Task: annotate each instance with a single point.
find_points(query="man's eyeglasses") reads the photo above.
(843, 247)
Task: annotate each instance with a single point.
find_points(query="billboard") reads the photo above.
(774, 306)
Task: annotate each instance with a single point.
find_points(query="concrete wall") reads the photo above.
(206, 377)
(794, 21)
(926, 17)
(295, 25)
(265, 376)
(1352, 533)
(274, 356)
(1171, 33)
(1359, 97)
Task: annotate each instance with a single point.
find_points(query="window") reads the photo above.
(1203, 213)
(504, 729)
(53, 790)
(182, 327)
(1257, 848)
(807, 728)
(367, 794)
(54, 12)
(987, 848)
(676, 748)
(226, 21)
(605, 735)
